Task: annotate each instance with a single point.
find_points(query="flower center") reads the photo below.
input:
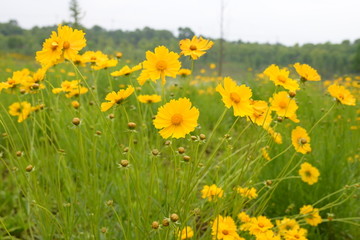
(54, 45)
(161, 65)
(281, 78)
(282, 104)
(302, 141)
(225, 232)
(308, 173)
(193, 47)
(341, 96)
(176, 119)
(261, 225)
(66, 45)
(235, 97)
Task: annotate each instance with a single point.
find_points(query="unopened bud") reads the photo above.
(131, 125)
(165, 222)
(155, 225)
(292, 94)
(155, 152)
(186, 158)
(124, 163)
(174, 217)
(181, 150)
(19, 153)
(29, 168)
(76, 121)
(202, 136)
(194, 138)
(111, 116)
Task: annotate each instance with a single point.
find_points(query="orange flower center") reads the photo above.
(282, 104)
(261, 225)
(225, 232)
(297, 236)
(235, 97)
(93, 58)
(66, 45)
(161, 65)
(176, 119)
(54, 45)
(341, 96)
(308, 173)
(193, 47)
(281, 78)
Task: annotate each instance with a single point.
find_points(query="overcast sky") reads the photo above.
(284, 21)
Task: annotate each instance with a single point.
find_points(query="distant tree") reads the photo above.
(356, 60)
(185, 33)
(75, 13)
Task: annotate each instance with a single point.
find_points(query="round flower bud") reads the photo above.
(76, 121)
(202, 136)
(292, 94)
(98, 132)
(165, 222)
(19, 153)
(124, 163)
(194, 138)
(155, 152)
(174, 217)
(111, 116)
(167, 142)
(181, 150)
(131, 125)
(29, 168)
(155, 225)
(186, 158)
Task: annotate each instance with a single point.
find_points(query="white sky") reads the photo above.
(284, 21)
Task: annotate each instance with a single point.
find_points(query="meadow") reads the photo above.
(95, 146)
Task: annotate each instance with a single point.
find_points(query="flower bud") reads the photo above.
(76, 121)
(155, 225)
(181, 150)
(174, 217)
(131, 125)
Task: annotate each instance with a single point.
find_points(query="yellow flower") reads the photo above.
(244, 217)
(118, 55)
(20, 109)
(308, 173)
(306, 72)
(94, 57)
(212, 65)
(249, 193)
(161, 63)
(281, 77)
(284, 106)
(259, 225)
(342, 94)
(237, 97)
(212, 192)
(186, 233)
(312, 216)
(73, 41)
(268, 235)
(261, 114)
(176, 118)
(126, 70)
(75, 104)
(52, 51)
(296, 234)
(184, 72)
(116, 98)
(300, 140)
(286, 225)
(265, 153)
(104, 64)
(71, 88)
(275, 135)
(195, 48)
(224, 228)
(149, 98)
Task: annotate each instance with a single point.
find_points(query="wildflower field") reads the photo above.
(95, 147)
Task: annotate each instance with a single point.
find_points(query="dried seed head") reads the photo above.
(124, 163)
(76, 121)
(181, 150)
(29, 168)
(19, 153)
(186, 158)
(165, 222)
(98, 132)
(131, 125)
(202, 136)
(111, 116)
(155, 225)
(292, 94)
(174, 217)
(155, 152)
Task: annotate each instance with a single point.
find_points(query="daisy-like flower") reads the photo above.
(296, 234)
(308, 173)
(342, 94)
(52, 51)
(161, 63)
(284, 106)
(20, 109)
(236, 96)
(186, 233)
(287, 224)
(275, 135)
(244, 217)
(104, 64)
(126, 70)
(259, 225)
(196, 47)
(268, 235)
(176, 118)
(281, 77)
(71, 88)
(261, 115)
(116, 98)
(265, 153)
(184, 72)
(94, 57)
(224, 228)
(312, 216)
(73, 41)
(300, 140)
(306, 72)
(149, 98)
(17, 78)
(246, 192)
(212, 192)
